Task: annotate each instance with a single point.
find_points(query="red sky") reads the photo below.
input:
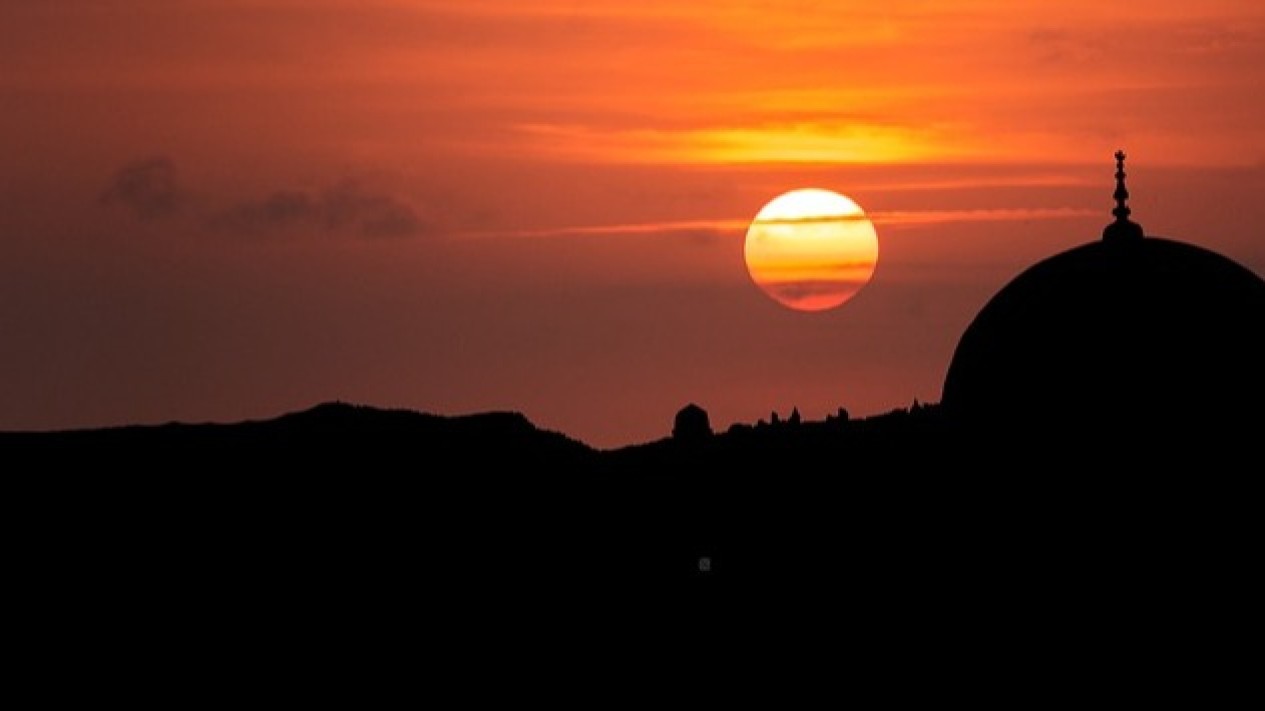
(217, 210)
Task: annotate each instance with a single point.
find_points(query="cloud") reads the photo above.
(147, 187)
(738, 226)
(811, 219)
(347, 206)
(1017, 214)
(638, 228)
(833, 140)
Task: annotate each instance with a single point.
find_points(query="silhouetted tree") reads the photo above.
(794, 416)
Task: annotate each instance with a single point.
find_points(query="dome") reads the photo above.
(1127, 334)
(691, 423)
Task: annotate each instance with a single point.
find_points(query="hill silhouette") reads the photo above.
(344, 526)
(491, 496)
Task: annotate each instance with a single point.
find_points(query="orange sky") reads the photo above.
(227, 209)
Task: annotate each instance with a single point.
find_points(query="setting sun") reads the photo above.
(811, 249)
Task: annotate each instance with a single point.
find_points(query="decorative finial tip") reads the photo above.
(1123, 226)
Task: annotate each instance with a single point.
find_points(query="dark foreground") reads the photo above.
(344, 527)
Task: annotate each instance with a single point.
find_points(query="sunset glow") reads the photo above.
(213, 210)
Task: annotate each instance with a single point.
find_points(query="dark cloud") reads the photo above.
(278, 211)
(345, 207)
(147, 187)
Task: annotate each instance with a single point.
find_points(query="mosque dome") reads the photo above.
(1132, 333)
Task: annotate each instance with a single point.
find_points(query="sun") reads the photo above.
(811, 249)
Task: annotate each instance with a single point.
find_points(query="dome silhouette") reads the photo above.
(691, 424)
(1123, 336)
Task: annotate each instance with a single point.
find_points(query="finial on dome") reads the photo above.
(1123, 227)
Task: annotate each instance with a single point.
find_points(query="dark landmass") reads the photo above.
(1080, 512)
(345, 520)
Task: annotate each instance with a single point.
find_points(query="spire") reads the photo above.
(1123, 227)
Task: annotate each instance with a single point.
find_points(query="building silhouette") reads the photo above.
(1130, 345)
(691, 424)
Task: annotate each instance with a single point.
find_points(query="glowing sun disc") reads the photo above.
(811, 249)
